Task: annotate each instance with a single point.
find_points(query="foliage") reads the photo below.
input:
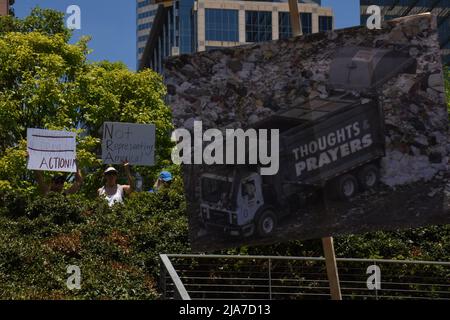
(428, 243)
(116, 249)
(45, 82)
(45, 21)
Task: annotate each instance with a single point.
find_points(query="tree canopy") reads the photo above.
(45, 21)
(46, 82)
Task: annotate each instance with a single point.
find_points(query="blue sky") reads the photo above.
(112, 23)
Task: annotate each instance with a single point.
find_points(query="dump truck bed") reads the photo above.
(365, 69)
(326, 138)
(334, 143)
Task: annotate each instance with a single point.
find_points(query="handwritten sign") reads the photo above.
(51, 150)
(130, 142)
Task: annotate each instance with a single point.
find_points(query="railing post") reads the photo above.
(162, 279)
(180, 290)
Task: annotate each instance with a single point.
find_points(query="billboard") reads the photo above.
(313, 136)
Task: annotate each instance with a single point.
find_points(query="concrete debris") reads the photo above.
(435, 80)
(240, 86)
(433, 192)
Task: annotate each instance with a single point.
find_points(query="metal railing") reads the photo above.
(279, 277)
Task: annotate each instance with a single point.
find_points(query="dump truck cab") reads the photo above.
(231, 202)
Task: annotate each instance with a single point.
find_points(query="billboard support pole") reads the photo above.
(295, 18)
(327, 242)
(332, 271)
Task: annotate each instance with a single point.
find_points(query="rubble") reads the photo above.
(241, 86)
(399, 168)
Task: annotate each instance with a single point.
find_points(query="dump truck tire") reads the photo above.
(345, 186)
(267, 222)
(368, 176)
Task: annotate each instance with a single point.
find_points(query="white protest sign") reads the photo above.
(130, 142)
(51, 150)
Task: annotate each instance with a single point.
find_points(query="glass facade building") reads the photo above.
(221, 25)
(258, 26)
(391, 9)
(186, 25)
(197, 25)
(145, 14)
(284, 21)
(325, 23)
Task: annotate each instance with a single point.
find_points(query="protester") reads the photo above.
(113, 192)
(164, 180)
(57, 183)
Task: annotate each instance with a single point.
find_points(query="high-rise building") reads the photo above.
(145, 11)
(398, 8)
(5, 7)
(186, 26)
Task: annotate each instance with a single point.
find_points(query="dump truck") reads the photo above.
(331, 144)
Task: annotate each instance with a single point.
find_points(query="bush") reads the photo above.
(117, 249)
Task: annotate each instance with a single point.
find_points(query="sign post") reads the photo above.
(295, 18)
(332, 271)
(327, 242)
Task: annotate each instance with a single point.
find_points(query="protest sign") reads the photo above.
(51, 150)
(130, 142)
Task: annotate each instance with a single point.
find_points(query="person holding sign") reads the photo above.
(52, 150)
(57, 182)
(112, 191)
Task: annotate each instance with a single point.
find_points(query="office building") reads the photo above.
(145, 15)
(391, 9)
(5, 7)
(187, 26)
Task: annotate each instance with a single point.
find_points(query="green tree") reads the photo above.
(45, 21)
(45, 82)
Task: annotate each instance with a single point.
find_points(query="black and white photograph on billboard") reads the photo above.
(313, 136)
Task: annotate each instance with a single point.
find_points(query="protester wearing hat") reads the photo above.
(164, 180)
(113, 192)
(57, 183)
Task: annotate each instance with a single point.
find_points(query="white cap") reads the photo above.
(110, 169)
